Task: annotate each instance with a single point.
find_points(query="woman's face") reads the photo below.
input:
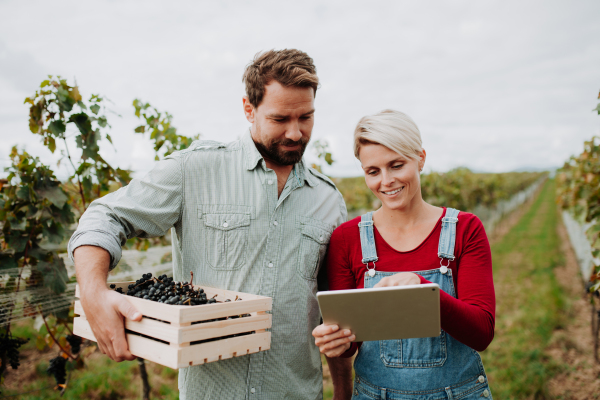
(393, 178)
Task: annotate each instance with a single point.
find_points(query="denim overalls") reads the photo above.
(426, 368)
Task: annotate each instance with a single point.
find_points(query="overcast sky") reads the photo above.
(493, 85)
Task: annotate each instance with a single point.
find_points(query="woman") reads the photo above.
(401, 246)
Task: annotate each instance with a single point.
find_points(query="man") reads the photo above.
(248, 216)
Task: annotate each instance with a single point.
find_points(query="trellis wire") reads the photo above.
(28, 301)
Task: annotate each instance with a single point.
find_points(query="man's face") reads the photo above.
(282, 123)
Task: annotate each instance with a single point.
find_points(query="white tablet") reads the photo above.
(398, 312)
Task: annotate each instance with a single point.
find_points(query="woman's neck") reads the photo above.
(414, 214)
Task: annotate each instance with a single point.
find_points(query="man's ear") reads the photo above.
(248, 109)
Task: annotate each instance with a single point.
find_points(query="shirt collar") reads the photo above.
(253, 157)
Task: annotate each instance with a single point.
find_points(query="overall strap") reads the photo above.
(448, 235)
(367, 238)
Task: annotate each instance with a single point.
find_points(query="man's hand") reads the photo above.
(399, 279)
(104, 308)
(332, 341)
(105, 311)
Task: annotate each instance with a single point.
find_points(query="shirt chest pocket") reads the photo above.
(312, 249)
(226, 240)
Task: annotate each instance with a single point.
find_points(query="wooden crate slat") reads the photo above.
(191, 333)
(82, 328)
(219, 310)
(78, 308)
(208, 330)
(154, 351)
(177, 357)
(223, 294)
(224, 349)
(185, 314)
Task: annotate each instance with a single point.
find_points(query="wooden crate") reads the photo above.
(177, 337)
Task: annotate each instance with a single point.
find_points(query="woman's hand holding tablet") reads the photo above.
(331, 340)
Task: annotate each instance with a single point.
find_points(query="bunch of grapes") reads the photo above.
(57, 368)
(75, 343)
(10, 346)
(165, 290)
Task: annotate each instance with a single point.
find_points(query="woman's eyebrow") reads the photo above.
(395, 160)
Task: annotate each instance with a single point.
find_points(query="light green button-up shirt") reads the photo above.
(231, 228)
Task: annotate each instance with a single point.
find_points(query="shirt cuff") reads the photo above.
(98, 239)
(423, 280)
(350, 352)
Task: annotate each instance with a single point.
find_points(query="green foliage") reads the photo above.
(579, 192)
(162, 133)
(459, 188)
(323, 152)
(56, 107)
(34, 207)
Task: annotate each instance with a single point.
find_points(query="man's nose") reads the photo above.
(293, 131)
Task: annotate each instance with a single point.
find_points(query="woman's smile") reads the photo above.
(393, 192)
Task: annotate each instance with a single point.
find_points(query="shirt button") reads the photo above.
(270, 265)
(252, 390)
(270, 182)
(486, 393)
(443, 269)
(275, 223)
(481, 379)
(225, 225)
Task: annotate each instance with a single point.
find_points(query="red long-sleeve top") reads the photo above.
(470, 318)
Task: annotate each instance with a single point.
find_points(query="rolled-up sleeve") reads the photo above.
(146, 207)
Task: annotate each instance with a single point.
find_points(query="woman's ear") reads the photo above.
(422, 158)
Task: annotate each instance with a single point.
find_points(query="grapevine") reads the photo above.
(579, 193)
(75, 343)
(9, 349)
(57, 369)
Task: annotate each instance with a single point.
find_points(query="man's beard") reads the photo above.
(272, 151)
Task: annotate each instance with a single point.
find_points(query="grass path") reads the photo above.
(531, 304)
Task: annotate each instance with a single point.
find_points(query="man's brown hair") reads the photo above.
(289, 67)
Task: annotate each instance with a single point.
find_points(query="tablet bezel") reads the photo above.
(376, 314)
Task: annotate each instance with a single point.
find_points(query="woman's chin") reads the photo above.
(393, 205)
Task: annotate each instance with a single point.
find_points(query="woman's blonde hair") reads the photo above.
(392, 129)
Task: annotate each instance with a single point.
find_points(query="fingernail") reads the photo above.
(347, 332)
(352, 338)
(136, 315)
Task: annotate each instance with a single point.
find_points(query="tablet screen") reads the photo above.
(397, 312)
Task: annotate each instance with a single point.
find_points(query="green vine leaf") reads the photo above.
(57, 128)
(56, 195)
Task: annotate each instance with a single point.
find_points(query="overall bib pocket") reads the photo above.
(313, 246)
(414, 353)
(226, 240)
